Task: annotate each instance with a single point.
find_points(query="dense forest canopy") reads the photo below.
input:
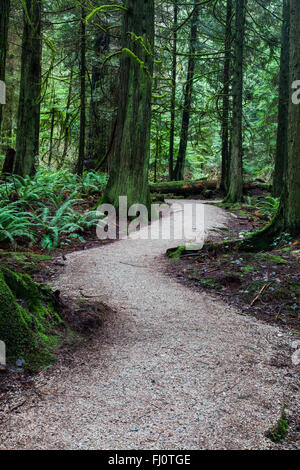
(140, 91)
(61, 98)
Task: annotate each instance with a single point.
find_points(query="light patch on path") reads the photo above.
(173, 368)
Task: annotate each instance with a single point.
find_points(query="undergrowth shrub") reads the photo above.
(44, 208)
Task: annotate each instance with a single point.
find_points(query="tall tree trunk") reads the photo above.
(235, 190)
(4, 20)
(226, 100)
(81, 153)
(283, 105)
(67, 120)
(28, 127)
(292, 209)
(156, 155)
(99, 118)
(51, 136)
(178, 173)
(173, 92)
(287, 218)
(129, 172)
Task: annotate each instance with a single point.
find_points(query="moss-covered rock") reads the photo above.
(22, 261)
(175, 253)
(27, 318)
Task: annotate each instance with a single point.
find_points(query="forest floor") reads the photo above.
(264, 285)
(171, 367)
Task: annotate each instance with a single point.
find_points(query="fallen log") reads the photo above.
(188, 188)
(183, 188)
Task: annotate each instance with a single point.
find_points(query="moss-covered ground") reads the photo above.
(34, 322)
(29, 315)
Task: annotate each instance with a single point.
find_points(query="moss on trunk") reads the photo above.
(27, 319)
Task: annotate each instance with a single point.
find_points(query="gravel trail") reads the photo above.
(173, 368)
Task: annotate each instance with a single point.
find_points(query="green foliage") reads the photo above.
(271, 259)
(104, 9)
(278, 432)
(15, 224)
(175, 254)
(43, 209)
(283, 239)
(268, 206)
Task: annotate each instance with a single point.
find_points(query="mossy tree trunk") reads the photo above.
(178, 173)
(129, 172)
(4, 21)
(226, 100)
(235, 189)
(28, 127)
(281, 156)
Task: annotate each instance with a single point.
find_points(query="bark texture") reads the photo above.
(226, 100)
(235, 190)
(188, 188)
(292, 209)
(81, 153)
(4, 21)
(281, 156)
(173, 92)
(129, 172)
(178, 173)
(28, 127)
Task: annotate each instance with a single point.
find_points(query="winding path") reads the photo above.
(172, 369)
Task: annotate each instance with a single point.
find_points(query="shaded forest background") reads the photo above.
(64, 34)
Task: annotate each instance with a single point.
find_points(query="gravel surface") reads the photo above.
(172, 368)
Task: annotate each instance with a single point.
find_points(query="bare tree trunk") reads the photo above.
(226, 100)
(67, 120)
(81, 154)
(178, 173)
(51, 133)
(283, 105)
(129, 172)
(292, 209)
(103, 103)
(173, 93)
(4, 21)
(235, 190)
(28, 128)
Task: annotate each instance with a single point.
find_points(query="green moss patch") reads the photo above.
(23, 261)
(176, 252)
(271, 259)
(279, 431)
(28, 319)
